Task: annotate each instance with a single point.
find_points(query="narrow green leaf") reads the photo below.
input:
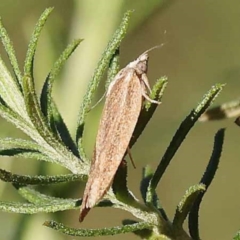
(113, 68)
(206, 180)
(6, 143)
(62, 130)
(215, 158)
(146, 178)
(143, 233)
(39, 180)
(46, 94)
(25, 149)
(186, 204)
(29, 60)
(10, 92)
(181, 134)
(34, 111)
(112, 46)
(97, 232)
(25, 153)
(13, 147)
(36, 197)
(11, 54)
(29, 208)
(119, 185)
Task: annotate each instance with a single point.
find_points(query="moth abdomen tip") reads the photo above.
(83, 214)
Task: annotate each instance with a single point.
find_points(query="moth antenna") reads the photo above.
(98, 101)
(152, 48)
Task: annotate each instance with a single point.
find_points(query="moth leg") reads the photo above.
(146, 82)
(148, 98)
(130, 156)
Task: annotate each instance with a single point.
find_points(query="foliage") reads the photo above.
(40, 119)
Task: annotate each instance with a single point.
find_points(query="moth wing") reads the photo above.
(120, 114)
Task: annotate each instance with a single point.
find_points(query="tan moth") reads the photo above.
(123, 105)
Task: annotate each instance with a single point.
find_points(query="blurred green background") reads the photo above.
(203, 39)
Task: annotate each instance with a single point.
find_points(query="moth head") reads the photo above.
(142, 64)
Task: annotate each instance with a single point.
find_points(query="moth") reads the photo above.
(120, 114)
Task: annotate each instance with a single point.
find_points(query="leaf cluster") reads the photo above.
(40, 119)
